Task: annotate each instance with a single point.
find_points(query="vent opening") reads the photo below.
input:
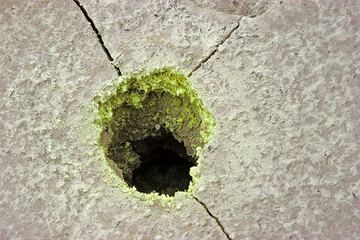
(153, 128)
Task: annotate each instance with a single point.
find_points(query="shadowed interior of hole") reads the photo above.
(164, 166)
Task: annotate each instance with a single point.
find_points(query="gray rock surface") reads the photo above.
(285, 89)
(147, 34)
(284, 86)
(51, 183)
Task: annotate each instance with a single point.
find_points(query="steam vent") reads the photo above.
(153, 127)
(179, 119)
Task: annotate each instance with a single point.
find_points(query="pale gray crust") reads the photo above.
(284, 87)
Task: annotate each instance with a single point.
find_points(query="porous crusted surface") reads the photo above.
(52, 183)
(248, 8)
(284, 89)
(150, 34)
(285, 159)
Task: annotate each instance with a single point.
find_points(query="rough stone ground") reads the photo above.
(283, 84)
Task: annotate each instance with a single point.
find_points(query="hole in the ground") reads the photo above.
(153, 126)
(164, 165)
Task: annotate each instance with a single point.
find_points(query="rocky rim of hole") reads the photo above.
(154, 110)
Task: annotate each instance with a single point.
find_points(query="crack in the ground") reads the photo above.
(216, 49)
(107, 52)
(214, 217)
